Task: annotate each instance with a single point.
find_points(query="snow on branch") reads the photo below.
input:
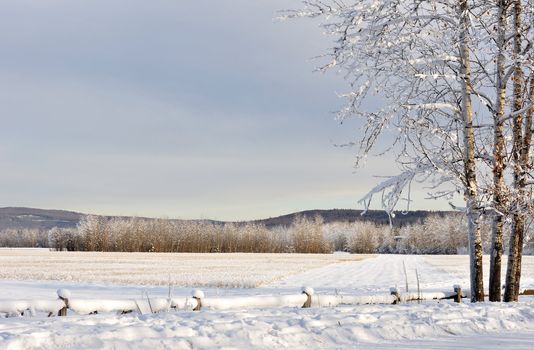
(391, 190)
(433, 106)
(433, 61)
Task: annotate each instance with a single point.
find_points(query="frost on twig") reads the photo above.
(391, 192)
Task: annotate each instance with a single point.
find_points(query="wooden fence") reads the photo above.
(197, 301)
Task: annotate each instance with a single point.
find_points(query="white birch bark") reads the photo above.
(513, 273)
(499, 153)
(475, 238)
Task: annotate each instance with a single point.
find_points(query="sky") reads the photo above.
(173, 108)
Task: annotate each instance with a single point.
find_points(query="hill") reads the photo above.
(31, 218)
(352, 215)
(45, 219)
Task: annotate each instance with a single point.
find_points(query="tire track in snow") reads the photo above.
(377, 274)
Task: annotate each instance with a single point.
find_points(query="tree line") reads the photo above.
(436, 234)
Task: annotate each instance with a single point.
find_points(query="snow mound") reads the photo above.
(198, 294)
(63, 293)
(308, 290)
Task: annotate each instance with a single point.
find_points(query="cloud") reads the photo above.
(170, 108)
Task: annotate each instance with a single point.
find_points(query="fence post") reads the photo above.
(309, 292)
(64, 295)
(198, 295)
(458, 291)
(395, 292)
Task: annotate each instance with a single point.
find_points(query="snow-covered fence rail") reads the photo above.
(198, 301)
(405, 297)
(20, 307)
(143, 306)
(92, 306)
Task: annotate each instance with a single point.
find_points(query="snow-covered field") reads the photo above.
(430, 325)
(237, 270)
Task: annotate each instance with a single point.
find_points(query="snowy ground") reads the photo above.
(430, 325)
(373, 327)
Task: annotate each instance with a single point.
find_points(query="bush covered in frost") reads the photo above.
(436, 234)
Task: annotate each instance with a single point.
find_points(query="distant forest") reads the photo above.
(315, 231)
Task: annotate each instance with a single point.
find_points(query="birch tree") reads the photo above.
(434, 65)
(499, 155)
(507, 43)
(522, 99)
(471, 188)
(417, 57)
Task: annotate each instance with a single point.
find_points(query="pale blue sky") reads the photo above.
(174, 108)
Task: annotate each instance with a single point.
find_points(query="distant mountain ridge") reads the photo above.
(351, 215)
(45, 219)
(32, 218)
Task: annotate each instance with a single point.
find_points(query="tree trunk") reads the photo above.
(498, 162)
(513, 272)
(475, 239)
